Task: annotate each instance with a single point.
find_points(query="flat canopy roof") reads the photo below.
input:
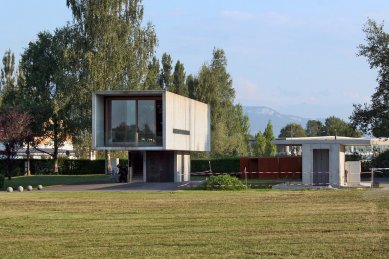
(332, 140)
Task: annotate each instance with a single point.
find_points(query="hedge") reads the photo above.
(65, 166)
(225, 165)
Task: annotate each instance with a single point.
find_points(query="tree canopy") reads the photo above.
(373, 118)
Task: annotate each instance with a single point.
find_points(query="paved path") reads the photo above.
(112, 187)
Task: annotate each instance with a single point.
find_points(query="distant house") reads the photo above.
(158, 128)
(323, 158)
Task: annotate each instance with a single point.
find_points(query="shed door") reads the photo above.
(321, 165)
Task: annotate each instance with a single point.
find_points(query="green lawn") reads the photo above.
(254, 223)
(47, 180)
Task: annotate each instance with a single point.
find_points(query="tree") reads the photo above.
(292, 130)
(314, 128)
(179, 85)
(49, 88)
(165, 80)
(8, 81)
(260, 144)
(152, 77)
(214, 86)
(14, 130)
(373, 117)
(270, 149)
(113, 50)
(336, 126)
(192, 84)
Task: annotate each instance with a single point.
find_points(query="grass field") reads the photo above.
(48, 180)
(254, 223)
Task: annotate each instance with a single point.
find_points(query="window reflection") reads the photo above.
(133, 122)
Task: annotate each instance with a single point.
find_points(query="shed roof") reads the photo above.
(332, 140)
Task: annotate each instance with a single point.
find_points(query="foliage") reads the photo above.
(221, 165)
(152, 77)
(2, 179)
(292, 130)
(8, 81)
(49, 88)
(179, 84)
(14, 130)
(382, 160)
(335, 126)
(259, 145)
(314, 128)
(223, 182)
(373, 117)
(270, 149)
(165, 81)
(229, 126)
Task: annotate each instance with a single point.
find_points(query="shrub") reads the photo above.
(1, 181)
(223, 182)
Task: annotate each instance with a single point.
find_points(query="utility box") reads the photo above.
(352, 173)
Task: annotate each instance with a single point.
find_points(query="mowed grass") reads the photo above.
(48, 180)
(198, 224)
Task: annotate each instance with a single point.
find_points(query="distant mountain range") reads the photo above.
(260, 115)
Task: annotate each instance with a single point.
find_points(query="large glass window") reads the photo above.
(133, 122)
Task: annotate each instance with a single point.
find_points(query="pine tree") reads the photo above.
(270, 149)
(152, 78)
(166, 72)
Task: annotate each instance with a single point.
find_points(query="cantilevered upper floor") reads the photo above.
(149, 120)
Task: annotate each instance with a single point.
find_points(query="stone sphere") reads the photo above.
(20, 189)
(10, 189)
(29, 188)
(40, 187)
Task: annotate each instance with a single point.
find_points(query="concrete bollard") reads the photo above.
(40, 187)
(20, 189)
(10, 189)
(29, 188)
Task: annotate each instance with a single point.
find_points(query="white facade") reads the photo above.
(334, 162)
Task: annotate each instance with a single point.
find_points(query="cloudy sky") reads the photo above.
(296, 56)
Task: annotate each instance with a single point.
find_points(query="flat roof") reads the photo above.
(332, 140)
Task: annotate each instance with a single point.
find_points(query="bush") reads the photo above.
(381, 161)
(2, 178)
(223, 182)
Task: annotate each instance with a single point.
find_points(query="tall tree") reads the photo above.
(113, 50)
(49, 88)
(8, 81)
(165, 80)
(292, 130)
(260, 144)
(314, 128)
(373, 117)
(152, 77)
(214, 86)
(270, 149)
(179, 85)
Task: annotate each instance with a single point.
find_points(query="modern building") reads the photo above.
(158, 128)
(323, 158)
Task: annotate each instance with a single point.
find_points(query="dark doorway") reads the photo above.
(136, 158)
(321, 166)
(160, 166)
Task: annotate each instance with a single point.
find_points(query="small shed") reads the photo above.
(323, 158)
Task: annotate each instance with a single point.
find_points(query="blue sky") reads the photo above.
(296, 56)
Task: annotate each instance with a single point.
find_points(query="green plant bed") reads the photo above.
(48, 180)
